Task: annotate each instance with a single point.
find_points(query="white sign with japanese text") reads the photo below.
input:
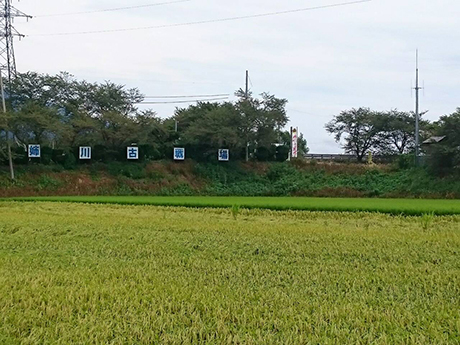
(85, 152)
(179, 154)
(224, 155)
(133, 153)
(34, 151)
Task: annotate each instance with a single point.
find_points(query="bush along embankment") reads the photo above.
(297, 178)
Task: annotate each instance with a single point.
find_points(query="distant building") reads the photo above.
(433, 140)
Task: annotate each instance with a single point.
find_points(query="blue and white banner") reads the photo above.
(34, 151)
(85, 152)
(133, 153)
(179, 154)
(224, 155)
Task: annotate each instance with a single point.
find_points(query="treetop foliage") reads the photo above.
(364, 130)
(392, 132)
(61, 112)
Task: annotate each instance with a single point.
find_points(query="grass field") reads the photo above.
(114, 274)
(390, 206)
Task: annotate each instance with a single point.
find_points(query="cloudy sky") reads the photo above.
(323, 61)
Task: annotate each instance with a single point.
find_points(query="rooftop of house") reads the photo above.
(433, 140)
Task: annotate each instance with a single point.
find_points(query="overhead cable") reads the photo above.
(189, 101)
(206, 21)
(191, 96)
(111, 9)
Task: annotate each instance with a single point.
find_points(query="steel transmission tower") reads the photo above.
(7, 34)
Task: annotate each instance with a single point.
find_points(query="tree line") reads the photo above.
(363, 130)
(62, 113)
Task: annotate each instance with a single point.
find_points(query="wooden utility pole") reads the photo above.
(10, 158)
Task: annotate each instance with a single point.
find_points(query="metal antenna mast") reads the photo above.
(417, 114)
(7, 34)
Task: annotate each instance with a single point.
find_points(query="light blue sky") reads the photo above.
(322, 61)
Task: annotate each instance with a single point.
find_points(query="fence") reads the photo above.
(348, 158)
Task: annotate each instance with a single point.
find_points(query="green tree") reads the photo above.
(4, 118)
(216, 128)
(97, 99)
(445, 157)
(359, 128)
(186, 117)
(37, 124)
(397, 132)
(152, 135)
(262, 120)
(60, 111)
(70, 96)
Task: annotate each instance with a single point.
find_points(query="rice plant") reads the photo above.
(415, 207)
(426, 220)
(235, 211)
(117, 274)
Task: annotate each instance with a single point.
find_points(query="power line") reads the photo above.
(208, 21)
(191, 96)
(112, 9)
(189, 101)
(298, 111)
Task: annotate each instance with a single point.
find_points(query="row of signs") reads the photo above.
(132, 153)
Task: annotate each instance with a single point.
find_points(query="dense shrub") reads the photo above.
(226, 179)
(282, 153)
(405, 162)
(130, 170)
(264, 154)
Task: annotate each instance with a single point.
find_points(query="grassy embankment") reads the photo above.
(92, 274)
(233, 179)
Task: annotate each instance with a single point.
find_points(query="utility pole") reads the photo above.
(247, 85)
(290, 145)
(246, 96)
(10, 157)
(417, 112)
(7, 34)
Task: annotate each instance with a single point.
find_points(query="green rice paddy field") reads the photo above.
(73, 273)
(390, 206)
